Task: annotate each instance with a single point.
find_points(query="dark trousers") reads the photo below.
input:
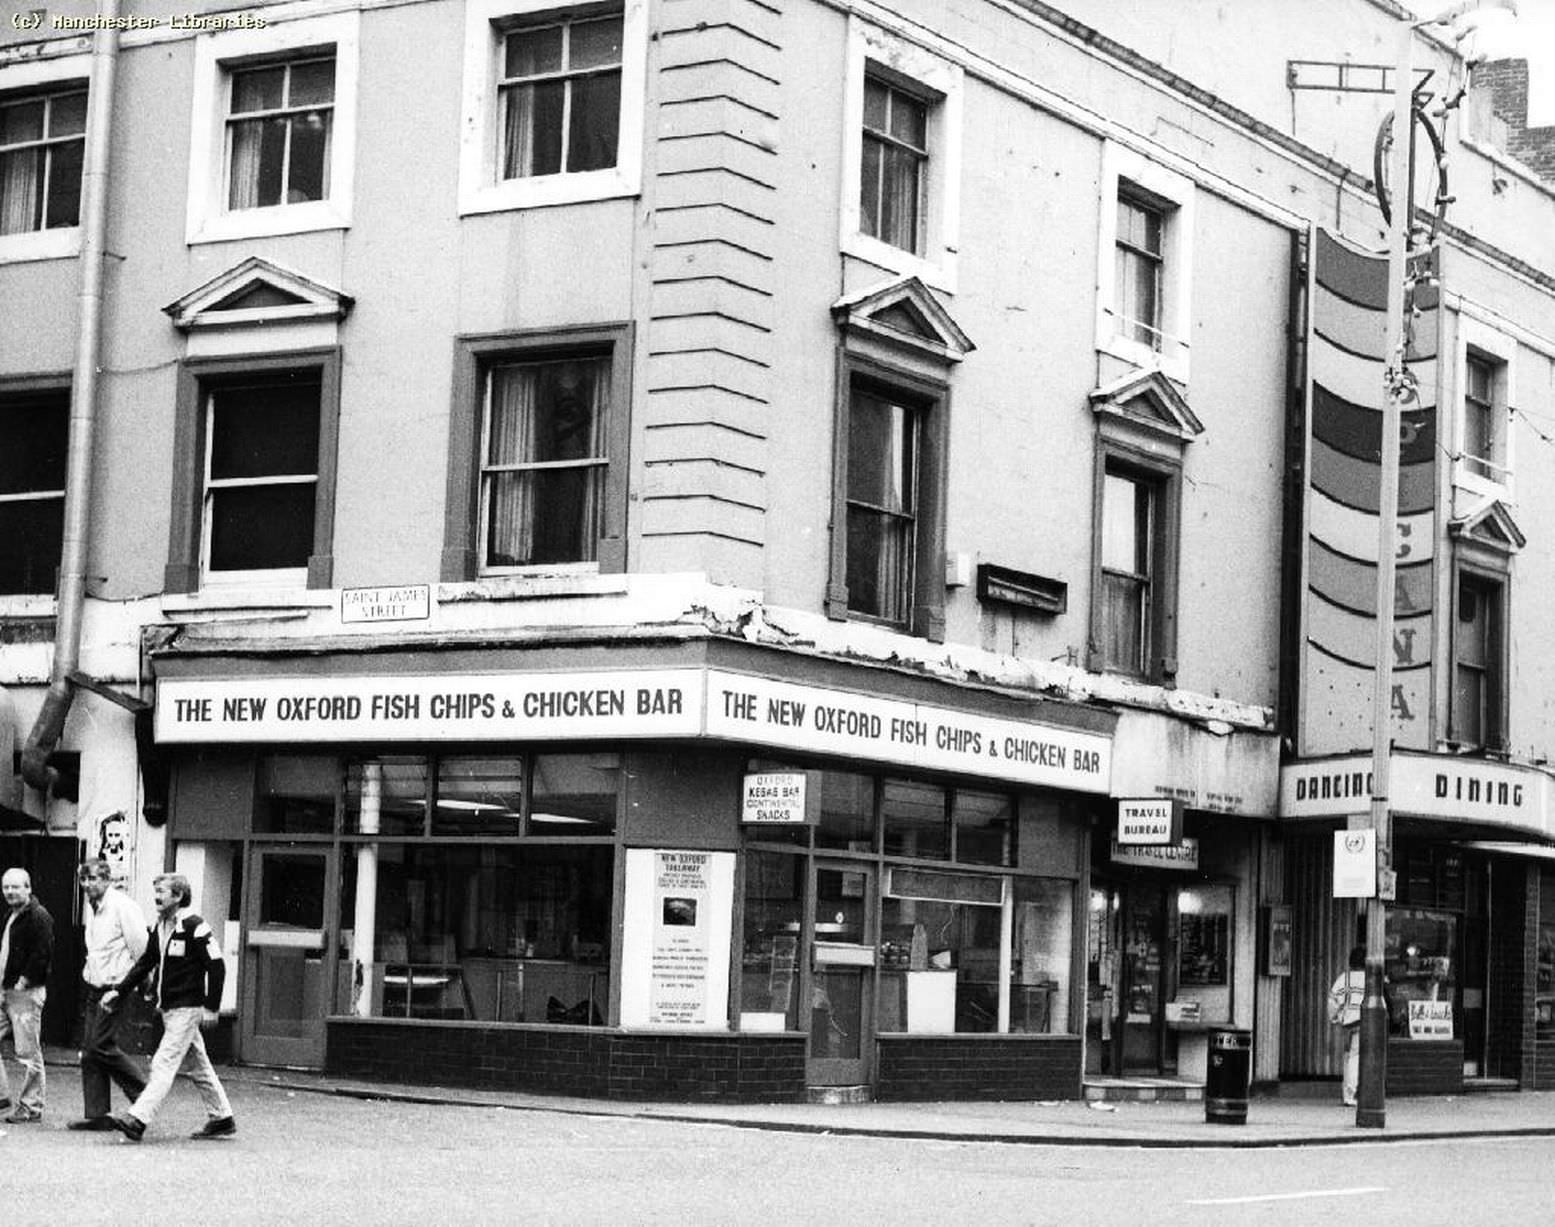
(101, 1057)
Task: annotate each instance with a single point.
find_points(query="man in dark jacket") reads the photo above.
(183, 952)
(26, 950)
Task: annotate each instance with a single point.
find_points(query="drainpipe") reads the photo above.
(50, 724)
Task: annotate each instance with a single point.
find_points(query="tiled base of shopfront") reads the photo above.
(719, 1068)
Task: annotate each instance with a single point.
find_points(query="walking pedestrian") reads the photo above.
(183, 952)
(26, 951)
(115, 939)
(1344, 1010)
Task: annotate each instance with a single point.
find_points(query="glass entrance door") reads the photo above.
(1144, 965)
(842, 974)
(287, 954)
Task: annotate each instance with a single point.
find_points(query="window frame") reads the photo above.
(925, 588)
(481, 187)
(21, 80)
(1479, 342)
(474, 358)
(1127, 176)
(874, 53)
(30, 388)
(217, 56)
(895, 95)
(1115, 456)
(188, 547)
(1491, 585)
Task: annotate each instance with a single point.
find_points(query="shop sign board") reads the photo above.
(677, 914)
(1420, 785)
(1183, 855)
(1149, 820)
(431, 707)
(1355, 864)
(777, 798)
(1430, 1020)
(411, 603)
(822, 720)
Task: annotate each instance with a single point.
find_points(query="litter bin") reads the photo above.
(1228, 1076)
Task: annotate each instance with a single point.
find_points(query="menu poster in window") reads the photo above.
(677, 913)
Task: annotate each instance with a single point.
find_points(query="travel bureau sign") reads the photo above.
(624, 704)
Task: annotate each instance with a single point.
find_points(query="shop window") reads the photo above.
(1146, 263)
(273, 132)
(1043, 938)
(774, 908)
(983, 824)
(257, 436)
(478, 796)
(42, 147)
(574, 794)
(1204, 949)
(1477, 703)
(35, 427)
(386, 796)
(553, 108)
(296, 794)
(915, 820)
(847, 812)
(1420, 962)
(901, 157)
(493, 933)
(547, 483)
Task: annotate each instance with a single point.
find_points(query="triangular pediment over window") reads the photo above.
(1490, 526)
(903, 314)
(1148, 399)
(257, 292)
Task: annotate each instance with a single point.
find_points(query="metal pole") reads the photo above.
(1371, 1095)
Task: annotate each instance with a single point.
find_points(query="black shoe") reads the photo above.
(132, 1128)
(216, 1127)
(93, 1124)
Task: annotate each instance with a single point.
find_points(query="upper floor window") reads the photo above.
(882, 503)
(553, 103)
(35, 425)
(273, 129)
(1486, 369)
(1139, 267)
(902, 157)
(1130, 521)
(538, 459)
(42, 145)
(544, 461)
(1146, 263)
(278, 133)
(561, 97)
(895, 165)
(1476, 663)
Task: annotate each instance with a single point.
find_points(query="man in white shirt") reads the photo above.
(115, 937)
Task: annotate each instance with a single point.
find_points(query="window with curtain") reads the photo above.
(560, 97)
(1128, 513)
(1138, 267)
(882, 505)
(261, 471)
(894, 169)
(42, 146)
(35, 429)
(544, 461)
(279, 126)
(1476, 663)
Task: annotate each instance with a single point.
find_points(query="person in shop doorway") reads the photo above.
(115, 939)
(183, 952)
(26, 950)
(1344, 1010)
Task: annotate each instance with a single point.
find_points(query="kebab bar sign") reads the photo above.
(648, 703)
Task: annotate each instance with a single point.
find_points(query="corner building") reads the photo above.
(655, 572)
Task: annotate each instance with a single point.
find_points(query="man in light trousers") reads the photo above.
(26, 951)
(183, 952)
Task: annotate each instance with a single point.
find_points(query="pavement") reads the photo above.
(1303, 1115)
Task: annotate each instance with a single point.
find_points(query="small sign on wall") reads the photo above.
(1149, 820)
(1279, 934)
(779, 798)
(409, 603)
(1355, 864)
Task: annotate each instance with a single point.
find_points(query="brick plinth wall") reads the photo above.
(571, 1061)
(977, 1067)
(1425, 1067)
